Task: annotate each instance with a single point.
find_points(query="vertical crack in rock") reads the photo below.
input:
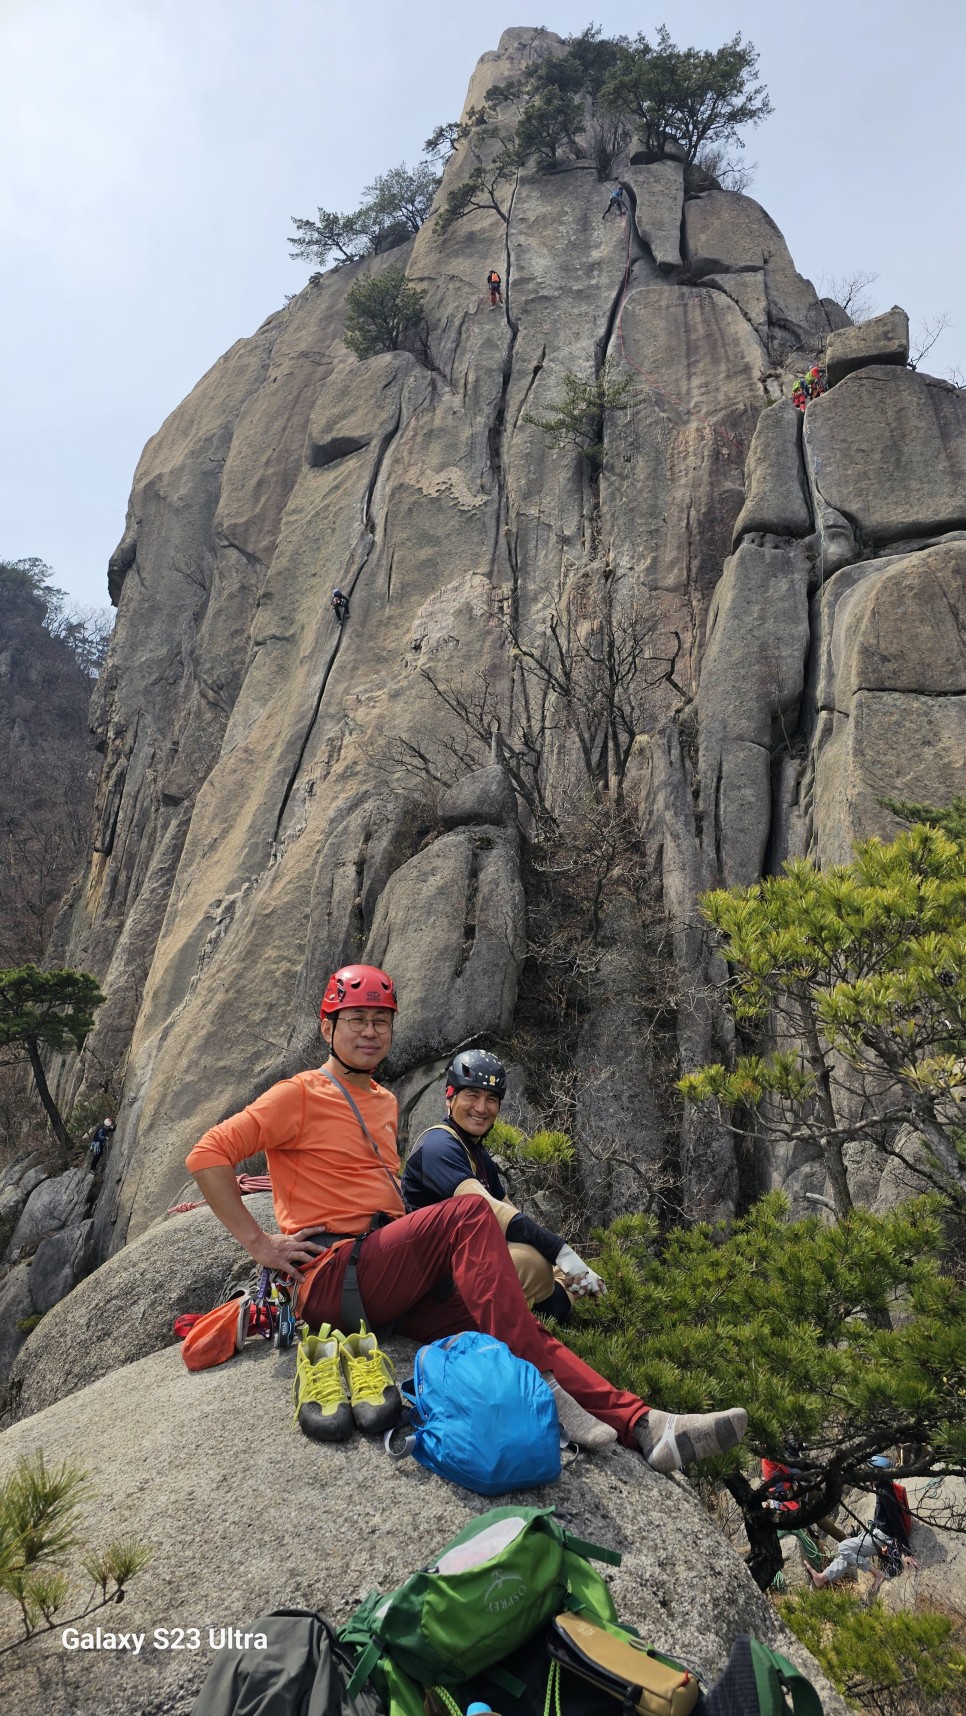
(368, 532)
(470, 910)
(357, 923)
(497, 429)
(531, 384)
(719, 286)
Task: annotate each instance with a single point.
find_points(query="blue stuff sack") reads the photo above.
(482, 1417)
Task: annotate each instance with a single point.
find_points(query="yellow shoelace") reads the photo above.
(368, 1375)
(319, 1382)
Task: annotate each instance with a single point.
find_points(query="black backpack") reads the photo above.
(302, 1670)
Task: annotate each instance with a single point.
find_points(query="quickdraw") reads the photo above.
(274, 1313)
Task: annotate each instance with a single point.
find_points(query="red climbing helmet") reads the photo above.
(358, 986)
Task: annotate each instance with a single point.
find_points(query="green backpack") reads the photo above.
(497, 1583)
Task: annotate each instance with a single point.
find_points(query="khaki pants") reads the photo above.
(536, 1276)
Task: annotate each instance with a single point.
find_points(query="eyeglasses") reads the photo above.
(381, 1023)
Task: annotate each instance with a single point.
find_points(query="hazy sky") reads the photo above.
(153, 152)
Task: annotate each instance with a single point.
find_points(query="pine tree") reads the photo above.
(859, 972)
(848, 1337)
(51, 1008)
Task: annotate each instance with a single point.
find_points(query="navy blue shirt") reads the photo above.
(441, 1160)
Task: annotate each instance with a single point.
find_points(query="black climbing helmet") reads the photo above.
(475, 1069)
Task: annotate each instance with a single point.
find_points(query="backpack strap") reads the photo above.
(364, 1666)
(775, 1676)
(592, 1551)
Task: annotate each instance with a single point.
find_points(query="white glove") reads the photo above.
(578, 1278)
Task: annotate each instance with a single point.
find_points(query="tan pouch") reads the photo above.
(623, 1667)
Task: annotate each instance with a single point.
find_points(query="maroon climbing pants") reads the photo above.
(460, 1240)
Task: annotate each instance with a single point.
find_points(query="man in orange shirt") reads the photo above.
(329, 1137)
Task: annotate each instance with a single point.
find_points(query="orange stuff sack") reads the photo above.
(218, 1335)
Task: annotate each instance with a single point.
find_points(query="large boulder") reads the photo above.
(886, 450)
(775, 500)
(17, 1182)
(53, 1204)
(887, 696)
(125, 1310)
(752, 679)
(451, 921)
(883, 339)
(245, 1515)
(659, 197)
(727, 233)
(486, 795)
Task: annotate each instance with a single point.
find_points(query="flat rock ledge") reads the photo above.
(245, 1515)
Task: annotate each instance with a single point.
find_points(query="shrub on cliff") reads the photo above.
(793, 1320)
(39, 1526)
(380, 310)
(895, 1664)
(393, 208)
(859, 974)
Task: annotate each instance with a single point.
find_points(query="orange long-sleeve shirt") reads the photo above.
(324, 1172)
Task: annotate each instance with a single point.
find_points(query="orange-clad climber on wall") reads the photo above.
(494, 286)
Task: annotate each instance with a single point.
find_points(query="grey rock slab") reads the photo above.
(16, 1185)
(245, 1515)
(58, 1263)
(774, 477)
(485, 795)
(892, 745)
(746, 288)
(16, 1304)
(659, 191)
(752, 679)
(886, 448)
(883, 339)
(888, 686)
(53, 1204)
(678, 455)
(901, 627)
(451, 921)
(724, 231)
(126, 1308)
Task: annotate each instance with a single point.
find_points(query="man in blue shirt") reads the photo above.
(451, 1160)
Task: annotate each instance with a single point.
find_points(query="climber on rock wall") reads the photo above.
(494, 286)
(340, 605)
(616, 202)
(329, 1137)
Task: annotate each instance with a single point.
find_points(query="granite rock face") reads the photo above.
(263, 813)
(886, 451)
(126, 1309)
(883, 339)
(776, 503)
(888, 699)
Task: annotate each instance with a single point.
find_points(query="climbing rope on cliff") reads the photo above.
(651, 380)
